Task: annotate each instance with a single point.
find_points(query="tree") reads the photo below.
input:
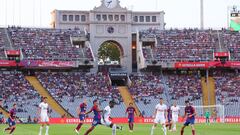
(109, 50)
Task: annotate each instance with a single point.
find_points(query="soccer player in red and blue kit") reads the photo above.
(97, 116)
(12, 120)
(169, 117)
(131, 111)
(81, 110)
(190, 113)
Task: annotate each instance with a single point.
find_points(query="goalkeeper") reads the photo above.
(207, 117)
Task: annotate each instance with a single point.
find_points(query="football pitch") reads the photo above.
(201, 129)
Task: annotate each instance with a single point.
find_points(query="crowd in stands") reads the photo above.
(75, 84)
(146, 89)
(184, 85)
(48, 44)
(227, 84)
(70, 88)
(227, 91)
(14, 88)
(145, 85)
(186, 44)
(231, 40)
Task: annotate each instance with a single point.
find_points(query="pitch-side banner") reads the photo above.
(8, 63)
(210, 64)
(191, 64)
(137, 120)
(48, 64)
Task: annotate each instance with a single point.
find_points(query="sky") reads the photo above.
(179, 13)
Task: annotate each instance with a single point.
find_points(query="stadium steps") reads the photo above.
(211, 87)
(5, 38)
(4, 111)
(127, 98)
(51, 101)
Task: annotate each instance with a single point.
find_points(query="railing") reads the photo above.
(57, 59)
(176, 60)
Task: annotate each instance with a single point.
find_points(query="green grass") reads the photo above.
(201, 129)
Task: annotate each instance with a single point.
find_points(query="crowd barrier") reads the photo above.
(137, 120)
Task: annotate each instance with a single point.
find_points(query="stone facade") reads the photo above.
(109, 22)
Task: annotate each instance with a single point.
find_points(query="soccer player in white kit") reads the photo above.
(43, 113)
(175, 113)
(160, 116)
(105, 120)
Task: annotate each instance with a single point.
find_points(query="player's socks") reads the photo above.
(119, 127)
(76, 131)
(132, 126)
(129, 125)
(193, 132)
(152, 131)
(89, 130)
(12, 131)
(79, 126)
(114, 129)
(40, 131)
(7, 129)
(170, 126)
(164, 130)
(182, 131)
(47, 128)
(174, 127)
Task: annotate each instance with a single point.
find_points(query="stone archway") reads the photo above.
(110, 52)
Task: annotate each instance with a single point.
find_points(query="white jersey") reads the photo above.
(161, 110)
(106, 115)
(44, 108)
(107, 112)
(175, 110)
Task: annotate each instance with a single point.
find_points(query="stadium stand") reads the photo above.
(227, 91)
(48, 44)
(145, 85)
(147, 88)
(231, 41)
(15, 89)
(180, 45)
(71, 87)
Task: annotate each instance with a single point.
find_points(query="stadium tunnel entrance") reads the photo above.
(110, 55)
(119, 76)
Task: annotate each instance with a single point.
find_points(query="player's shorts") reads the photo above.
(96, 122)
(130, 120)
(11, 122)
(44, 118)
(1, 120)
(82, 117)
(160, 120)
(107, 122)
(169, 119)
(175, 118)
(189, 121)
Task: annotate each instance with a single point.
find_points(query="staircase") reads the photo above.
(220, 46)
(5, 37)
(51, 101)
(166, 89)
(209, 95)
(4, 111)
(127, 98)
